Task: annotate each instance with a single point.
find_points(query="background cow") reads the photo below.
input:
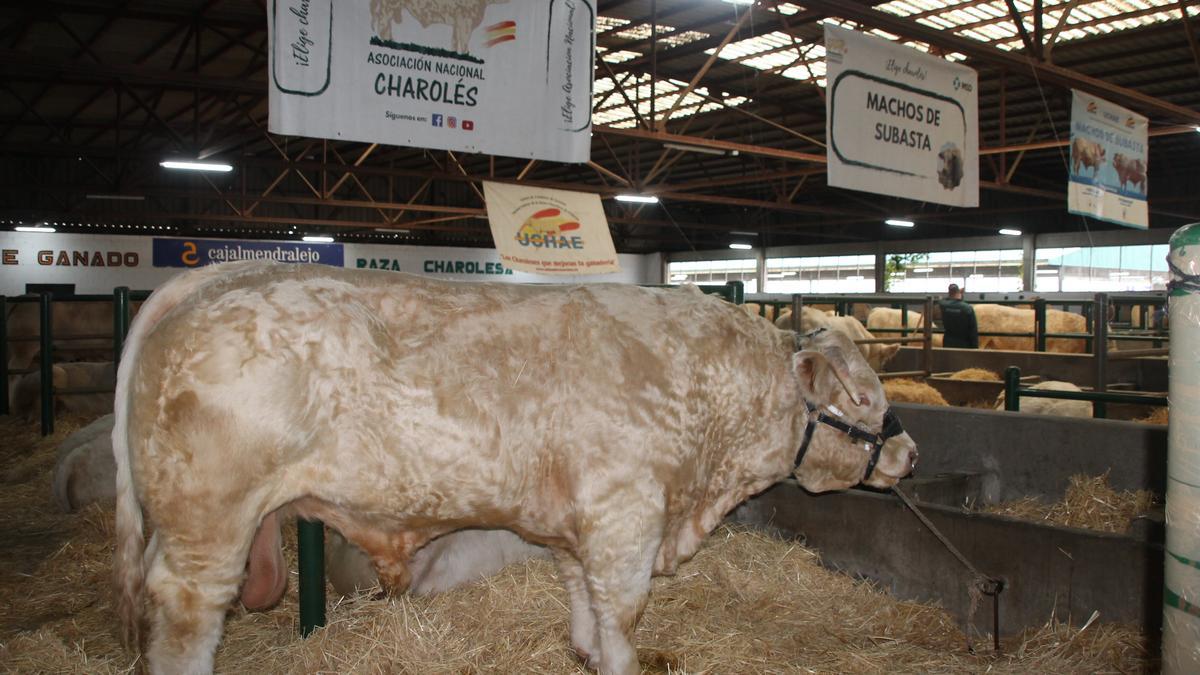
(1051, 406)
(1003, 319)
(26, 395)
(1088, 154)
(877, 355)
(399, 408)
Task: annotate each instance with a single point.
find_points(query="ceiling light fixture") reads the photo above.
(894, 222)
(1010, 232)
(192, 165)
(922, 269)
(640, 199)
(318, 239)
(122, 198)
(683, 147)
(740, 246)
(33, 228)
(391, 230)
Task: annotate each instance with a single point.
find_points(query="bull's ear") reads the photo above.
(815, 375)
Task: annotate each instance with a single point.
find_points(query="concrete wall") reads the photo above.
(1018, 455)
(1144, 374)
(1048, 571)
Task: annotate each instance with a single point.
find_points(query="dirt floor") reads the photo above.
(748, 603)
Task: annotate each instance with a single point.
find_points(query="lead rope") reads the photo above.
(981, 584)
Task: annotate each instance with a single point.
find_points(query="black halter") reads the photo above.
(891, 428)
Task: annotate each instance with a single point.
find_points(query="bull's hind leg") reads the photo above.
(618, 557)
(189, 589)
(583, 622)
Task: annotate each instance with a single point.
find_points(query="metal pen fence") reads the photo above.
(121, 299)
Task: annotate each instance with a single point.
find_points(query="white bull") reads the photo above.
(616, 425)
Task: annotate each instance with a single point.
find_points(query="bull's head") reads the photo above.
(851, 436)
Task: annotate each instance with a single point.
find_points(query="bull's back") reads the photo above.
(400, 380)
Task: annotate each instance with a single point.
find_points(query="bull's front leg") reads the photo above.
(618, 554)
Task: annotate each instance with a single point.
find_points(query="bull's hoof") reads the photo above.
(585, 658)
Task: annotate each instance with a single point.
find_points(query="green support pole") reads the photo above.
(1088, 311)
(120, 321)
(1012, 386)
(46, 364)
(1100, 352)
(311, 545)
(1039, 324)
(904, 320)
(4, 352)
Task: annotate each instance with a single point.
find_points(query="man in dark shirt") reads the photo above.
(958, 318)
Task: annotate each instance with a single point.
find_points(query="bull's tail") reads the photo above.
(129, 566)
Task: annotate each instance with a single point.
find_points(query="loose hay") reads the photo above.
(975, 374)
(910, 391)
(1161, 415)
(1090, 503)
(747, 603)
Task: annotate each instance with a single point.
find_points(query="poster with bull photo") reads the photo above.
(899, 121)
(502, 77)
(1109, 162)
(548, 231)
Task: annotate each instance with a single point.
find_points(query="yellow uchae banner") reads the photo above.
(548, 231)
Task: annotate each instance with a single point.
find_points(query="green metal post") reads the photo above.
(737, 292)
(1012, 386)
(311, 545)
(1100, 351)
(904, 320)
(47, 363)
(4, 352)
(1088, 311)
(120, 321)
(1039, 324)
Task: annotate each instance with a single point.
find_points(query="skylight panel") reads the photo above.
(607, 23)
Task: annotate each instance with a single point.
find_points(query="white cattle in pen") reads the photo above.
(877, 355)
(1051, 406)
(445, 563)
(99, 376)
(614, 424)
(85, 471)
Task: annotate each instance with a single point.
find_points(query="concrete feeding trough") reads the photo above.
(971, 458)
(960, 392)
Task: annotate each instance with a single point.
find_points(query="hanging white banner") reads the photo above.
(1108, 162)
(899, 121)
(550, 231)
(502, 77)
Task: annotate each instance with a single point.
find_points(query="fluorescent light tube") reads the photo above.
(188, 165)
(694, 148)
(640, 199)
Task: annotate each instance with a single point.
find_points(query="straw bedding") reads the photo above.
(903, 390)
(1090, 503)
(748, 603)
(1161, 415)
(975, 374)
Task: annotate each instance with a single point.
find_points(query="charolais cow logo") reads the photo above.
(549, 228)
(462, 16)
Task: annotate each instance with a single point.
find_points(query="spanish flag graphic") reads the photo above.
(501, 32)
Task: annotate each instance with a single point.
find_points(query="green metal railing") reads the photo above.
(1013, 391)
(47, 341)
